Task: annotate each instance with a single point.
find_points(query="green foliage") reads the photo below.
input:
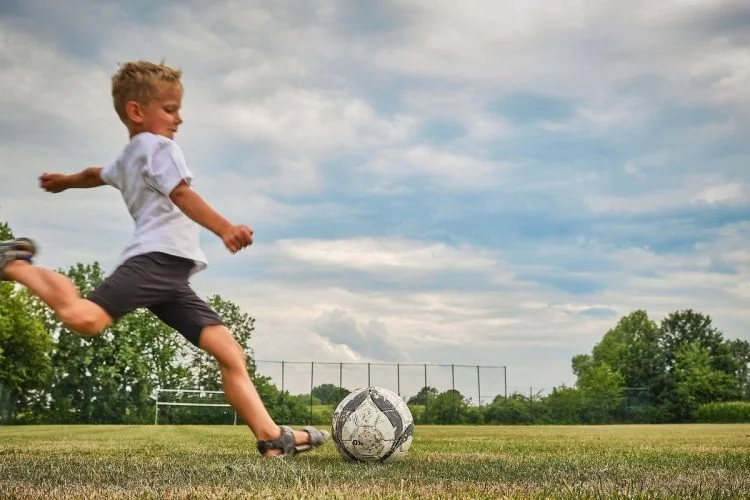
(283, 407)
(516, 409)
(740, 353)
(681, 363)
(696, 381)
(24, 348)
(564, 405)
(449, 407)
(727, 412)
(329, 394)
(98, 379)
(24, 351)
(423, 397)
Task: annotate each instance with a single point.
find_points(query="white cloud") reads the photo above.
(392, 258)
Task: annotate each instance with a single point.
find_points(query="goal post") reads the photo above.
(159, 402)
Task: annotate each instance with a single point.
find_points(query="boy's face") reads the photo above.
(161, 116)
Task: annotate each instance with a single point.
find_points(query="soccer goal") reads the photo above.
(193, 394)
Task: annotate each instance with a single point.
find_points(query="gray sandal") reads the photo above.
(285, 442)
(18, 249)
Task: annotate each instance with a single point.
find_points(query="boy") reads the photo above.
(164, 252)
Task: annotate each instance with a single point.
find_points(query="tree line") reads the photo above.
(640, 371)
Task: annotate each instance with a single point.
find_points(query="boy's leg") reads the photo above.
(61, 295)
(238, 388)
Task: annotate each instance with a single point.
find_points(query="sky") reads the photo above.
(473, 183)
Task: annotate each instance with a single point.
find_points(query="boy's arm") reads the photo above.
(55, 183)
(194, 206)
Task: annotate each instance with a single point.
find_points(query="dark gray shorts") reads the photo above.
(159, 282)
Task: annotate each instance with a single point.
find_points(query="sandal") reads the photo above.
(285, 442)
(18, 249)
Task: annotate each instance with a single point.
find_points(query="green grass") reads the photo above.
(701, 461)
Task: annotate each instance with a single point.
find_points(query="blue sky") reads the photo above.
(429, 182)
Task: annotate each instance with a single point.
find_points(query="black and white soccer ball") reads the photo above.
(372, 425)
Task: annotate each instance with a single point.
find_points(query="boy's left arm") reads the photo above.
(87, 178)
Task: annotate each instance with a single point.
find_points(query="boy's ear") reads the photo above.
(133, 111)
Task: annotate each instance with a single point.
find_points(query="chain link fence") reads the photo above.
(322, 385)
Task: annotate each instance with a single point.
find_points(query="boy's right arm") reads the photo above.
(235, 237)
(55, 183)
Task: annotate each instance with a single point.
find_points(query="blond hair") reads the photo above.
(139, 81)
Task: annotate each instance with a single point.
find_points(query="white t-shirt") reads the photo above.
(145, 172)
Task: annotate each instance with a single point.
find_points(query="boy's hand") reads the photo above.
(236, 238)
(54, 183)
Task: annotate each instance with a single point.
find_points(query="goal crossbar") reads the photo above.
(192, 391)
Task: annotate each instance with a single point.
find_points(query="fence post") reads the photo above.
(453, 391)
(398, 378)
(479, 391)
(156, 408)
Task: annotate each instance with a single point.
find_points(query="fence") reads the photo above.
(308, 392)
(479, 384)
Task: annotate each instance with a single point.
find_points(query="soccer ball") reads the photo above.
(372, 425)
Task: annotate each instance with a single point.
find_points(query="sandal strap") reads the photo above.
(285, 443)
(317, 438)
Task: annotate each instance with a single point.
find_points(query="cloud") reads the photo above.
(367, 341)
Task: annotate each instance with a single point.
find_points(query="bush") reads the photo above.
(729, 412)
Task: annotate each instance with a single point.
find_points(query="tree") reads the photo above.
(687, 326)
(601, 389)
(110, 377)
(97, 379)
(449, 407)
(24, 345)
(515, 409)
(423, 397)
(330, 394)
(696, 381)
(564, 405)
(740, 351)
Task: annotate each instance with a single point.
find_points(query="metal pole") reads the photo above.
(156, 408)
(341, 375)
(368, 375)
(312, 376)
(425, 374)
(479, 390)
(281, 396)
(398, 378)
(505, 377)
(453, 392)
(235, 418)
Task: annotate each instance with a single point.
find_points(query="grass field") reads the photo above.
(702, 461)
